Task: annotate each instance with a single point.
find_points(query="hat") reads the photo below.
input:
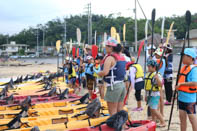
(111, 42)
(149, 47)
(190, 52)
(159, 51)
(169, 47)
(152, 63)
(89, 57)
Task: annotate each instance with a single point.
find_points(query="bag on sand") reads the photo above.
(117, 120)
(93, 108)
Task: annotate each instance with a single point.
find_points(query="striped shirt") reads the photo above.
(169, 67)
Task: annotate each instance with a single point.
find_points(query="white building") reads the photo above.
(13, 48)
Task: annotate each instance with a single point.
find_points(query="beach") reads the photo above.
(44, 65)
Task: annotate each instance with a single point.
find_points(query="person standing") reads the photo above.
(187, 89)
(168, 75)
(114, 72)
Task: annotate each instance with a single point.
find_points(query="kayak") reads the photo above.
(63, 103)
(62, 126)
(143, 125)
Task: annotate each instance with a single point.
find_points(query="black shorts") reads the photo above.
(190, 108)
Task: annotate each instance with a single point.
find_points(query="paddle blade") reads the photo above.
(146, 29)
(94, 51)
(113, 32)
(162, 27)
(77, 52)
(78, 36)
(153, 17)
(140, 48)
(70, 48)
(124, 32)
(58, 43)
(118, 38)
(73, 52)
(188, 17)
(169, 32)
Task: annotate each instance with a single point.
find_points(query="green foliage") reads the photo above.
(54, 29)
(21, 52)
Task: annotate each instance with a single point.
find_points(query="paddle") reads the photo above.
(94, 51)
(162, 29)
(139, 50)
(124, 33)
(58, 43)
(153, 24)
(188, 22)
(118, 38)
(146, 42)
(113, 32)
(95, 37)
(73, 51)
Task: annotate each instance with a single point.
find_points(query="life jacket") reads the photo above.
(149, 82)
(117, 72)
(96, 67)
(185, 70)
(73, 74)
(139, 70)
(162, 66)
(89, 69)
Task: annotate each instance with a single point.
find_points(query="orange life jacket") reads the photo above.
(185, 70)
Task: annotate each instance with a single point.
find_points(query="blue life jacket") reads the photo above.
(118, 71)
(89, 69)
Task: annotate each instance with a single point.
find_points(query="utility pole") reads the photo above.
(135, 25)
(37, 50)
(43, 40)
(89, 24)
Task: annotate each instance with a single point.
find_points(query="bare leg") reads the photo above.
(120, 106)
(183, 120)
(156, 113)
(101, 91)
(193, 120)
(90, 93)
(127, 83)
(139, 104)
(112, 108)
(161, 103)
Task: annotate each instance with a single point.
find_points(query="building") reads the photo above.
(13, 48)
(193, 39)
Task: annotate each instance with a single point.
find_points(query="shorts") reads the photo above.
(90, 84)
(73, 80)
(190, 108)
(117, 94)
(138, 95)
(139, 85)
(153, 102)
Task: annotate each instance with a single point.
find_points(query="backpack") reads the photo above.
(93, 107)
(117, 120)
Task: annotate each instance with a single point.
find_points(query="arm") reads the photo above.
(132, 72)
(158, 80)
(109, 62)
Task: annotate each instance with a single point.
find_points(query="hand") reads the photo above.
(177, 87)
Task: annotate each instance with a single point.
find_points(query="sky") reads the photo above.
(16, 15)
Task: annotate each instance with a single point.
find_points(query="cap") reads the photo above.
(190, 52)
(89, 57)
(169, 47)
(159, 51)
(152, 63)
(67, 58)
(111, 42)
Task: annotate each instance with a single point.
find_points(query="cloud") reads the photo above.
(18, 14)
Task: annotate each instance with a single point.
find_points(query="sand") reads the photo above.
(14, 71)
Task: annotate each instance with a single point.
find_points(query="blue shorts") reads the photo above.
(153, 102)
